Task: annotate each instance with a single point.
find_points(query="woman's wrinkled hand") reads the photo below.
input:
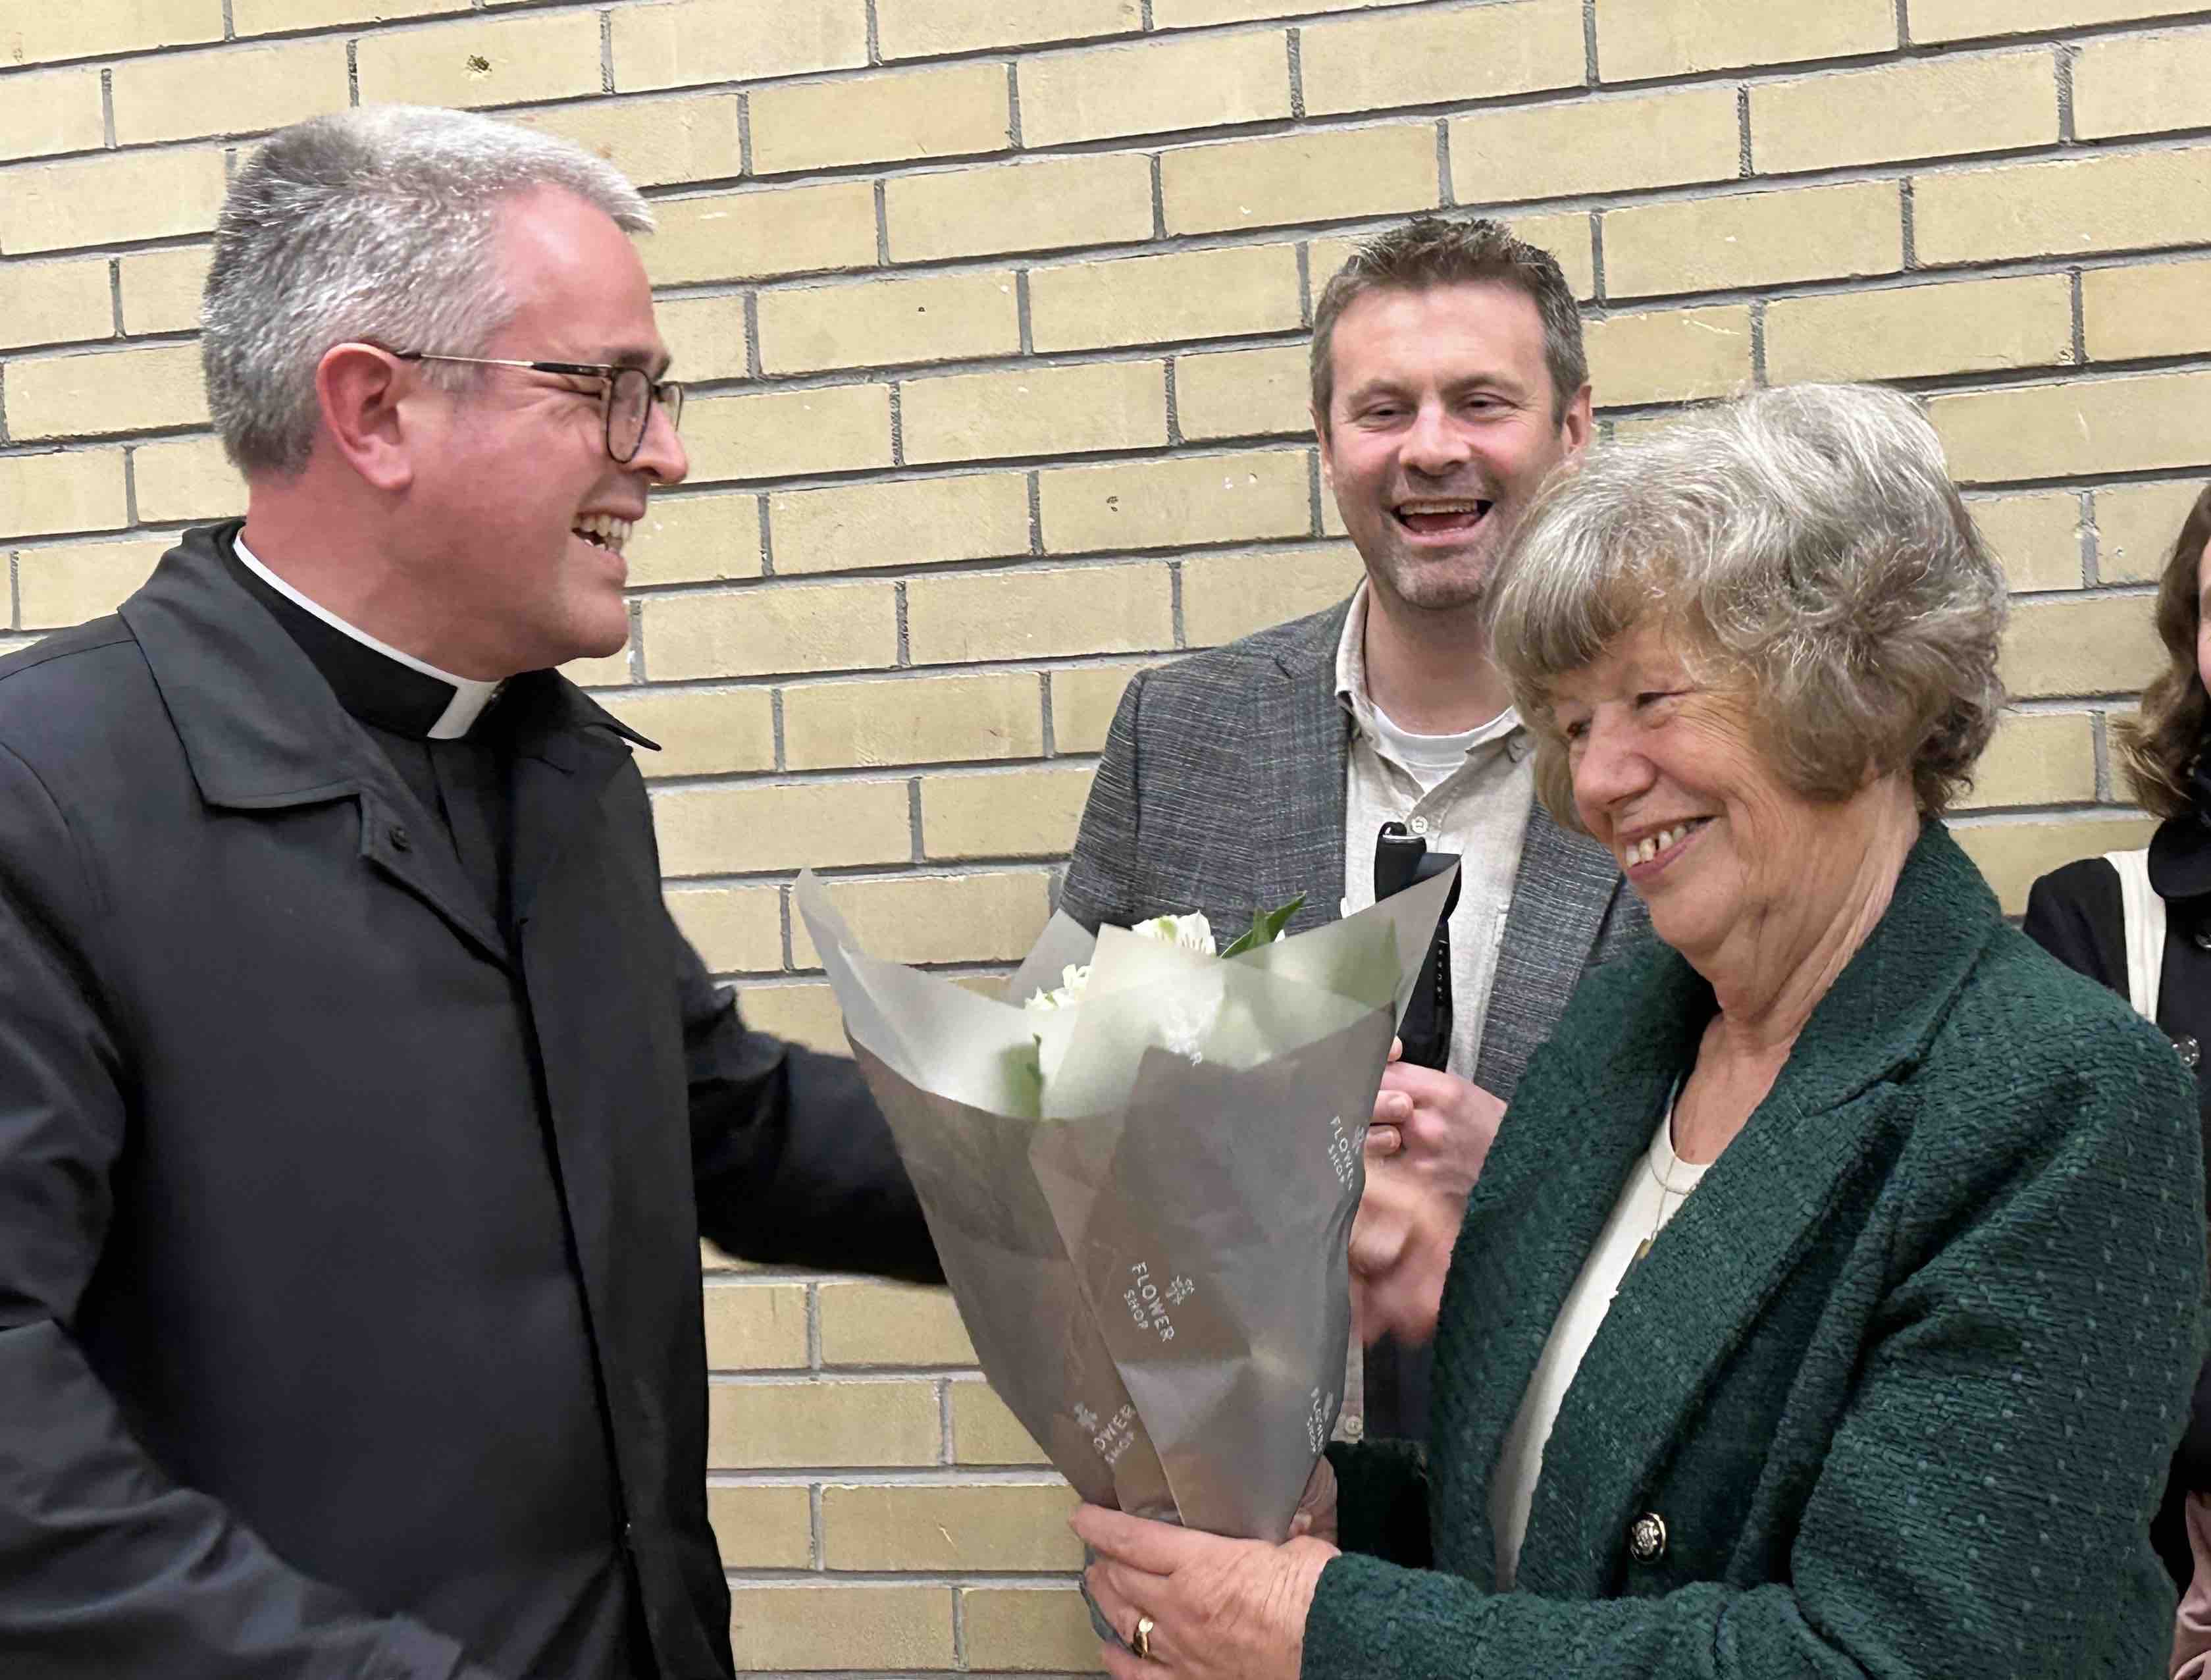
(1220, 1609)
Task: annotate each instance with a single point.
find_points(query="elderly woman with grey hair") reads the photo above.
(1828, 1304)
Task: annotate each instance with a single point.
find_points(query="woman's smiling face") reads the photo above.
(1667, 774)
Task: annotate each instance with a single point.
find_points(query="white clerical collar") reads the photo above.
(470, 695)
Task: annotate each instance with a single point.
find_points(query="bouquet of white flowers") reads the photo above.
(1140, 1183)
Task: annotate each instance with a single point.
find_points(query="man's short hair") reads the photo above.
(1431, 251)
(378, 225)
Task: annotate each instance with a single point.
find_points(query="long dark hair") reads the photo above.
(2159, 746)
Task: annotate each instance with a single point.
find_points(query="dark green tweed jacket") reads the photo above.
(1901, 1377)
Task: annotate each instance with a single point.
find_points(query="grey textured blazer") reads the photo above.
(1221, 789)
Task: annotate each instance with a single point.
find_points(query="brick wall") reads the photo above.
(996, 310)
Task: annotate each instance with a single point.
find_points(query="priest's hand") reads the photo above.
(1435, 1123)
(1401, 1249)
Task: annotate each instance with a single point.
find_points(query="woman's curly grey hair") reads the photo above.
(376, 224)
(1805, 545)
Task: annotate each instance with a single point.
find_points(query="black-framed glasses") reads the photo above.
(627, 397)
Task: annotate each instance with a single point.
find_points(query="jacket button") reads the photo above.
(1646, 1537)
(2191, 1051)
(400, 839)
(2201, 938)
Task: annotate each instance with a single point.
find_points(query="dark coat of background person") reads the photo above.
(349, 1254)
(1900, 1377)
(1222, 790)
(2075, 915)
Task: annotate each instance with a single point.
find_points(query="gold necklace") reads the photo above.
(1665, 1186)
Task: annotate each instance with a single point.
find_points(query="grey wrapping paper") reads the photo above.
(1148, 1250)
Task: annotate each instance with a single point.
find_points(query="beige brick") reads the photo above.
(1184, 501)
(935, 1528)
(889, 323)
(1083, 701)
(1293, 178)
(2146, 310)
(702, 732)
(483, 61)
(1231, 595)
(1959, 19)
(56, 111)
(185, 479)
(2036, 536)
(780, 434)
(1178, 82)
(1165, 299)
(1006, 814)
(695, 539)
(610, 671)
(891, 1324)
(1048, 204)
(109, 200)
(910, 522)
(1607, 145)
(733, 40)
(2137, 525)
(165, 97)
(2036, 759)
(1975, 325)
(985, 1432)
(59, 587)
(957, 110)
(750, 829)
(1753, 239)
(1934, 108)
(262, 17)
(55, 303)
(32, 34)
(912, 720)
(1669, 356)
(781, 1627)
(654, 142)
(806, 1014)
(992, 917)
(1432, 57)
(2081, 644)
(161, 289)
(2083, 426)
(43, 495)
(805, 1425)
(2119, 202)
(107, 392)
(2013, 855)
(920, 29)
(1032, 1629)
(1036, 411)
(1644, 38)
(1030, 614)
(1566, 236)
(756, 1327)
(1245, 393)
(762, 1528)
(771, 230)
(734, 930)
(770, 631)
(706, 336)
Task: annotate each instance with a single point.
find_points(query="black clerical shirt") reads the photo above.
(461, 780)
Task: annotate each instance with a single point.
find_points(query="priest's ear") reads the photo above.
(361, 392)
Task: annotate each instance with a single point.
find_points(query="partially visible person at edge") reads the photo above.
(2077, 914)
(1826, 1305)
(360, 1106)
(1449, 382)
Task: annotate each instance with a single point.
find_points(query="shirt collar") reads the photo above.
(1353, 695)
(375, 681)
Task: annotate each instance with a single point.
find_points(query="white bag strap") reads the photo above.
(2144, 913)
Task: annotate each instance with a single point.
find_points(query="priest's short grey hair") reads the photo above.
(378, 225)
(1804, 546)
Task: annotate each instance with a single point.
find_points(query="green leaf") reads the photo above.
(1265, 928)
